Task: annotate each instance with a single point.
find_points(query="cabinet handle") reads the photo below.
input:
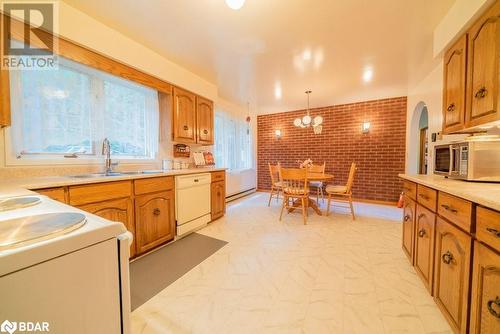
(407, 217)
(493, 231)
(421, 233)
(447, 257)
(451, 107)
(482, 92)
(156, 212)
(423, 196)
(449, 208)
(491, 309)
(185, 127)
(196, 180)
(421, 215)
(205, 131)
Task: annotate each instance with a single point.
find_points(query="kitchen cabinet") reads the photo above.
(119, 210)
(4, 98)
(451, 273)
(184, 116)
(218, 199)
(455, 66)
(154, 220)
(483, 69)
(424, 245)
(485, 300)
(59, 194)
(409, 227)
(204, 121)
(218, 194)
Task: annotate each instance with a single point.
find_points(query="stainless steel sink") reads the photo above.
(92, 175)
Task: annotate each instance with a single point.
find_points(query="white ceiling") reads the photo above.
(322, 45)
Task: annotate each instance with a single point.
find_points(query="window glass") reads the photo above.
(73, 108)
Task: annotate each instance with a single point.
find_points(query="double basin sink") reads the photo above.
(93, 175)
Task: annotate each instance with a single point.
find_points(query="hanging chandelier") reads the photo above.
(308, 121)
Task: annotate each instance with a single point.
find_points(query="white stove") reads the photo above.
(65, 267)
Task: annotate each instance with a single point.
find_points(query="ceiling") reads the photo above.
(269, 52)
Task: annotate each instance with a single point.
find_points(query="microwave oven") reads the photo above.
(472, 160)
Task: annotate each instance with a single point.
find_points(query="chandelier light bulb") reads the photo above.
(297, 122)
(306, 120)
(235, 4)
(318, 120)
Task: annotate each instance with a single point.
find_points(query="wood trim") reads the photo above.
(5, 118)
(84, 55)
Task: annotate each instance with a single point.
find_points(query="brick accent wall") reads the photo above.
(379, 154)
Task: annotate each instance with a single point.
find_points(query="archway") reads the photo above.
(418, 140)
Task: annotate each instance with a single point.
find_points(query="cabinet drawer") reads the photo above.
(488, 227)
(456, 210)
(485, 300)
(91, 193)
(410, 189)
(427, 197)
(154, 184)
(58, 194)
(218, 176)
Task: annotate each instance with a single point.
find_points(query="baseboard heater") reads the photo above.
(240, 195)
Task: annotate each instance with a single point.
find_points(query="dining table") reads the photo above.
(311, 203)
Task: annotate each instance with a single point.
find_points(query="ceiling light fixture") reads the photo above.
(235, 4)
(308, 121)
(368, 75)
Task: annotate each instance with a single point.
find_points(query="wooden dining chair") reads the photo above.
(276, 185)
(295, 187)
(342, 193)
(318, 185)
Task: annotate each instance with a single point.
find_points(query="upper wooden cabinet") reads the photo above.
(205, 121)
(184, 120)
(471, 76)
(455, 66)
(483, 78)
(193, 120)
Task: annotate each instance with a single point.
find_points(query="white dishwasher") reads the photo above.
(192, 198)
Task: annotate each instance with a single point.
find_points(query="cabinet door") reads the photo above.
(451, 273)
(119, 210)
(59, 194)
(154, 220)
(424, 245)
(483, 80)
(409, 228)
(218, 198)
(454, 86)
(485, 301)
(184, 125)
(205, 120)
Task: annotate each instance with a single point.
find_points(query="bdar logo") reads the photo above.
(8, 327)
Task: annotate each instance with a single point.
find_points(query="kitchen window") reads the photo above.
(233, 142)
(70, 110)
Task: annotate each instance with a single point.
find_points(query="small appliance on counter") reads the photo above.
(202, 159)
(477, 158)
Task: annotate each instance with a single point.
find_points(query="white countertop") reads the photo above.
(486, 194)
(7, 188)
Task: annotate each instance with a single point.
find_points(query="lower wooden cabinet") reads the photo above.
(424, 245)
(218, 199)
(409, 228)
(451, 273)
(119, 210)
(154, 220)
(59, 194)
(485, 300)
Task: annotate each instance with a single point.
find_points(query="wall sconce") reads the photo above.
(366, 127)
(277, 133)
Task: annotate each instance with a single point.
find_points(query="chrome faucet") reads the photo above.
(106, 150)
